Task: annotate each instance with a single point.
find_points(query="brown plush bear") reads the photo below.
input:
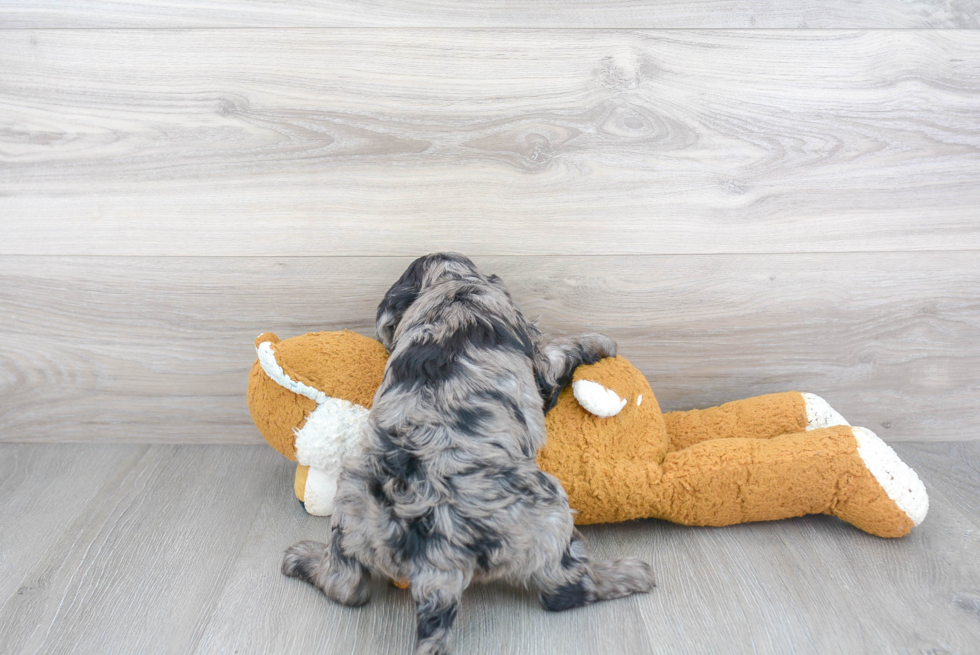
(617, 456)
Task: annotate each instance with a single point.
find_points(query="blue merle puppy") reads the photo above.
(447, 491)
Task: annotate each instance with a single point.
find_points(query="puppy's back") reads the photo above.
(454, 429)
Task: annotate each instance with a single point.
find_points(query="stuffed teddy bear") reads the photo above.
(617, 456)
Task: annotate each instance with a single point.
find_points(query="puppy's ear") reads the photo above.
(398, 299)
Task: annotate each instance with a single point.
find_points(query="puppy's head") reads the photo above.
(423, 273)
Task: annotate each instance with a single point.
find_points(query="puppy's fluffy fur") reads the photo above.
(447, 490)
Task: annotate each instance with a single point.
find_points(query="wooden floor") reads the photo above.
(175, 549)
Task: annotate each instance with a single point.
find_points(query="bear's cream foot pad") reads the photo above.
(882, 495)
(819, 413)
(898, 480)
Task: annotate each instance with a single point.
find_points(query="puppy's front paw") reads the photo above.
(302, 558)
(638, 573)
(622, 577)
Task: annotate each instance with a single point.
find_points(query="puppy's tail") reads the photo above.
(437, 595)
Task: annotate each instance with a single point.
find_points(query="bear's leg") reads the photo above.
(299, 482)
(315, 489)
(762, 417)
(847, 472)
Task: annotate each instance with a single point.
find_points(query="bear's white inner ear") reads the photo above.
(269, 364)
(596, 399)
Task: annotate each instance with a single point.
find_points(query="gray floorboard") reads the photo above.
(175, 549)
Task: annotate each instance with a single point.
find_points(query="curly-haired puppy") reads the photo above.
(447, 490)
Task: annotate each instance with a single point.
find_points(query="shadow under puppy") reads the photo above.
(447, 490)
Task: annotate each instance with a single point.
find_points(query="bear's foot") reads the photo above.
(819, 413)
(886, 499)
(898, 480)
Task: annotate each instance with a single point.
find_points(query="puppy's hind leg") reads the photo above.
(327, 568)
(437, 595)
(574, 581)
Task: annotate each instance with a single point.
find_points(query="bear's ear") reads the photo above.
(266, 336)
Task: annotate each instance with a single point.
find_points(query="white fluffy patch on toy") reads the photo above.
(332, 430)
(597, 399)
(639, 400)
(321, 488)
(900, 482)
(819, 413)
(267, 359)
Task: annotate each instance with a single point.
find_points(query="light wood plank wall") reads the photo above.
(744, 210)
(571, 14)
